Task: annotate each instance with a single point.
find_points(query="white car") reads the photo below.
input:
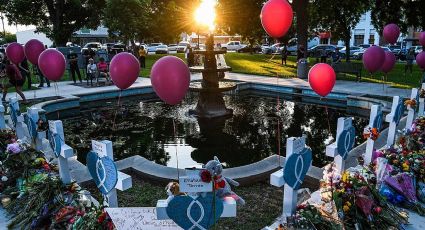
(182, 46)
(172, 47)
(152, 47)
(161, 49)
(233, 45)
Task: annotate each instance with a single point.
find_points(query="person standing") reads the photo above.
(25, 72)
(284, 54)
(41, 77)
(73, 66)
(300, 52)
(323, 55)
(336, 57)
(15, 80)
(142, 57)
(410, 57)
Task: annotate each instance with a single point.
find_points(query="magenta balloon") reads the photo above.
(124, 70)
(391, 33)
(15, 53)
(33, 48)
(373, 58)
(420, 60)
(52, 64)
(422, 38)
(389, 62)
(170, 78)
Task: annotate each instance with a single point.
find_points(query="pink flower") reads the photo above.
(13, 148)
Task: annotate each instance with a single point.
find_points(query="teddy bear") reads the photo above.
(221, 183)
(173, 189)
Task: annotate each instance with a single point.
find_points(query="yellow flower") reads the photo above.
(345, 177)
(346, 208)
(405, 167)
(348, 203)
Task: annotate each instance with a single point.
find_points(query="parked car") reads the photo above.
(152, 47)
(275, 48)
(93, 45)
(365, 46)
(395, 49)
(417, 49)
(108, 46)
(315, 51)
(161, 49)
(249, 49)
(353, 49)
(172, 47)
(359, 54)
(118, 48)
(233, 45)
(182, 46)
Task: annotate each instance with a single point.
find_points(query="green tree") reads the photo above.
(8, 38)
(127, 19)
(414, 13)
(340, 17)
(388, 11)
(58, 19)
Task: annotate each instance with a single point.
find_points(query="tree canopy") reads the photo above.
(58, 19)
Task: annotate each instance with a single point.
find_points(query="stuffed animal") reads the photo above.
(221, 183)
(173, 189)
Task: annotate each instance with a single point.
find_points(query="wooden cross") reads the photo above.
(295, 172)
(397, 111)
(60, 149)
(375, 122)
(37, 137)
(412, 110)
(2, 122)
(421, 103)
(345, 137)
(104, 149)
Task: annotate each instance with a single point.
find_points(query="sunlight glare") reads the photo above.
(205, 14)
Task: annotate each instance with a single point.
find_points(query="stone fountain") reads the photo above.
(211, 103)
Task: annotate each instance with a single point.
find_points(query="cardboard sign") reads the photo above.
(192, 182)
(100, 148)
(139, 219)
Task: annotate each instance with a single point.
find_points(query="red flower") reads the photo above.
(101, 218)
(206, 176)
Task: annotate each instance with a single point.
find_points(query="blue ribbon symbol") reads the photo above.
(398, 112)
(346, 142)
(296, 167)
(103, 171)
(377, 123)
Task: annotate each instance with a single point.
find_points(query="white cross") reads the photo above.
(2, 122)
(104, 149)
(33, 117)
(421, 103)
(56, 129)
(375, 113)
(410, 110)
(344, 123)
(19, 126)
(293, 145)
(390, 119)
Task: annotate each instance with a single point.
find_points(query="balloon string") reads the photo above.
(177, 158)
(327, 117)
(116, 111)
(278, 119)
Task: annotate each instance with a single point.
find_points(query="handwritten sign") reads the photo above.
(101, 148)
(192, 182)
(139, 219)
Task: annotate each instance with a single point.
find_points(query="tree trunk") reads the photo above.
(301, 12)
(347, 39)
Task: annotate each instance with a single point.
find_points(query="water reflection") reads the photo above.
(157, 131)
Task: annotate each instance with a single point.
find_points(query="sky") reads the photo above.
(13, 28)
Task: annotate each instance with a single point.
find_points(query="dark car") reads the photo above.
(316, 51)
(118, 48)
(395, 49)
(249, 49)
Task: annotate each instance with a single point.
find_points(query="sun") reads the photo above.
(205, 14)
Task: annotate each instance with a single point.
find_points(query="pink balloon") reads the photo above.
(422, 38)
(389, 62)
(170, 78)
(373, 58)
(276, 17)
(15, 53)
(322, 79)
(391, 33)
(420, 60)
(124, 70)
(33, 48)
(52, 64)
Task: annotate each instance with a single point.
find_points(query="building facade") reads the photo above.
(364, 32)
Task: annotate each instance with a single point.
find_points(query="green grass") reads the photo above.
(152, 58)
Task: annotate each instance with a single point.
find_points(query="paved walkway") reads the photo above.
(66, 89)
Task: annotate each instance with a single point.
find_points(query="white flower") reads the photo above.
(4, 178)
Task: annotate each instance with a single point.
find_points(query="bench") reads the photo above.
(349, 67)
